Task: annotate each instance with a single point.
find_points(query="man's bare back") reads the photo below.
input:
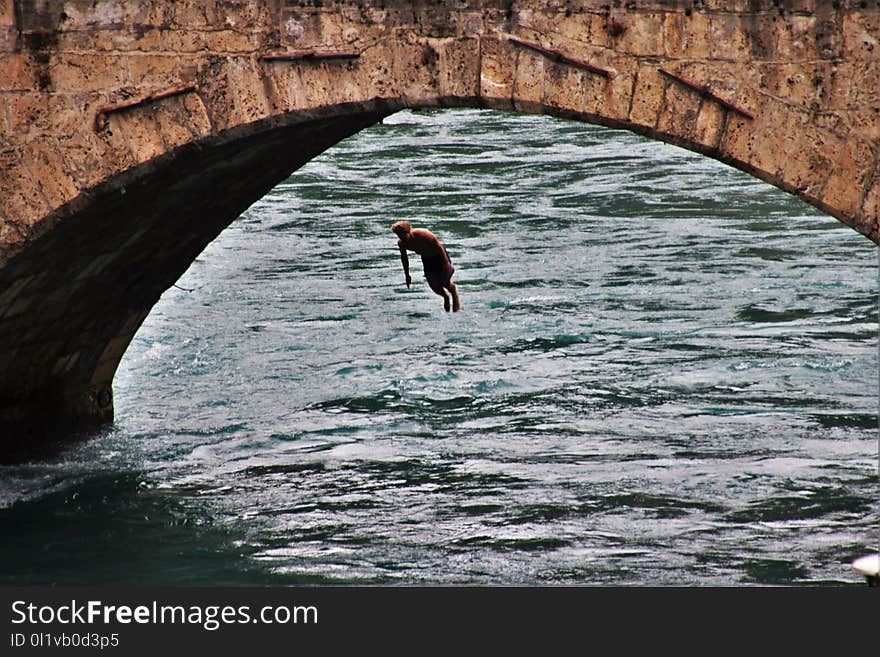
(437, 265)
(424, 242)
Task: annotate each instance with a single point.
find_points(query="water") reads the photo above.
(665, 372)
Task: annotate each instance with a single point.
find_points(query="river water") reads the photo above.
(665, 372)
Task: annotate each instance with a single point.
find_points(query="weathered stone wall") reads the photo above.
(806, 70)
(133, 132)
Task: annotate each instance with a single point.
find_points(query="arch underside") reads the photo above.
(101, 262)
(86, 284)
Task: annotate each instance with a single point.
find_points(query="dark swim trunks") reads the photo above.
(435, 270)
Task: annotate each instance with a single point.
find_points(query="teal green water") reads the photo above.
(664, 372)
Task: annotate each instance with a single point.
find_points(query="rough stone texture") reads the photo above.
(133, 133)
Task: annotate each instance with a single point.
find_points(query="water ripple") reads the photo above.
(657, 356)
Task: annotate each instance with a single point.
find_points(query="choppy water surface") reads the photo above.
(665, 372)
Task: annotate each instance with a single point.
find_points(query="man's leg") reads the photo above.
(438, 289)
(456, 305)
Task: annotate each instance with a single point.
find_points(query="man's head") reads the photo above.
(402, 229)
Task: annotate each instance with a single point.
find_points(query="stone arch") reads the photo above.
(134, 135)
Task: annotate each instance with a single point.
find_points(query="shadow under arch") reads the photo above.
(102, 261)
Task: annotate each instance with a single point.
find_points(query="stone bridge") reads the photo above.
(134, 132)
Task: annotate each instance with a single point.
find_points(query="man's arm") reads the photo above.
(404, 259)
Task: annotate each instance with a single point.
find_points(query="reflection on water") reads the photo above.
(665, 372)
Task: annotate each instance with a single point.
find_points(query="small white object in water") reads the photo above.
(868, 566)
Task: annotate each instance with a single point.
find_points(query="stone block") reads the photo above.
(496, 73)
(861, 35)
(309, 84)
(679, 112)
(528, 80)
(147, 40)
(599, 32)
(640, 34)
(288, 90)
(731, 81)
(778, 132)
(614, 103)
(371, 14)
(23, 305)
(673, 33)
(120, 40)
(803, 167)
(415, 68)
(78, 41)
(148, 13)
(327, 29)
(7, 13)
(802, 85)
(22, 201)
(738, 6)
(136, 130)
(233, 92)
(564, 88)
(574, 28)
(49, 171)
(230, 41)
(96, 266)
(711, 122)
(246, 15)
(351, 82)
(17, 72)
(840, 194)
(8, 39)
(173, 121)
(368, 77)
(532, 25)
(727, 38)
(866, 124)
(695, 37)
(796, 38)
(301, 29)
(52, 308)
(584, 92)
(65, 364)
(9, 294)
(78, 73)
(184, 41)
(198, 120)
(470, 23)
(870, 209)
(843, 84)
(863, 92)
(648, 96)
(154, 70)
(92, 158)
(738, 83)
(458, 68)
(93, 15)
(11, 237)
(761, 32)
(69, 113)
(192, 14)
(27, 114)
(851, 173)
